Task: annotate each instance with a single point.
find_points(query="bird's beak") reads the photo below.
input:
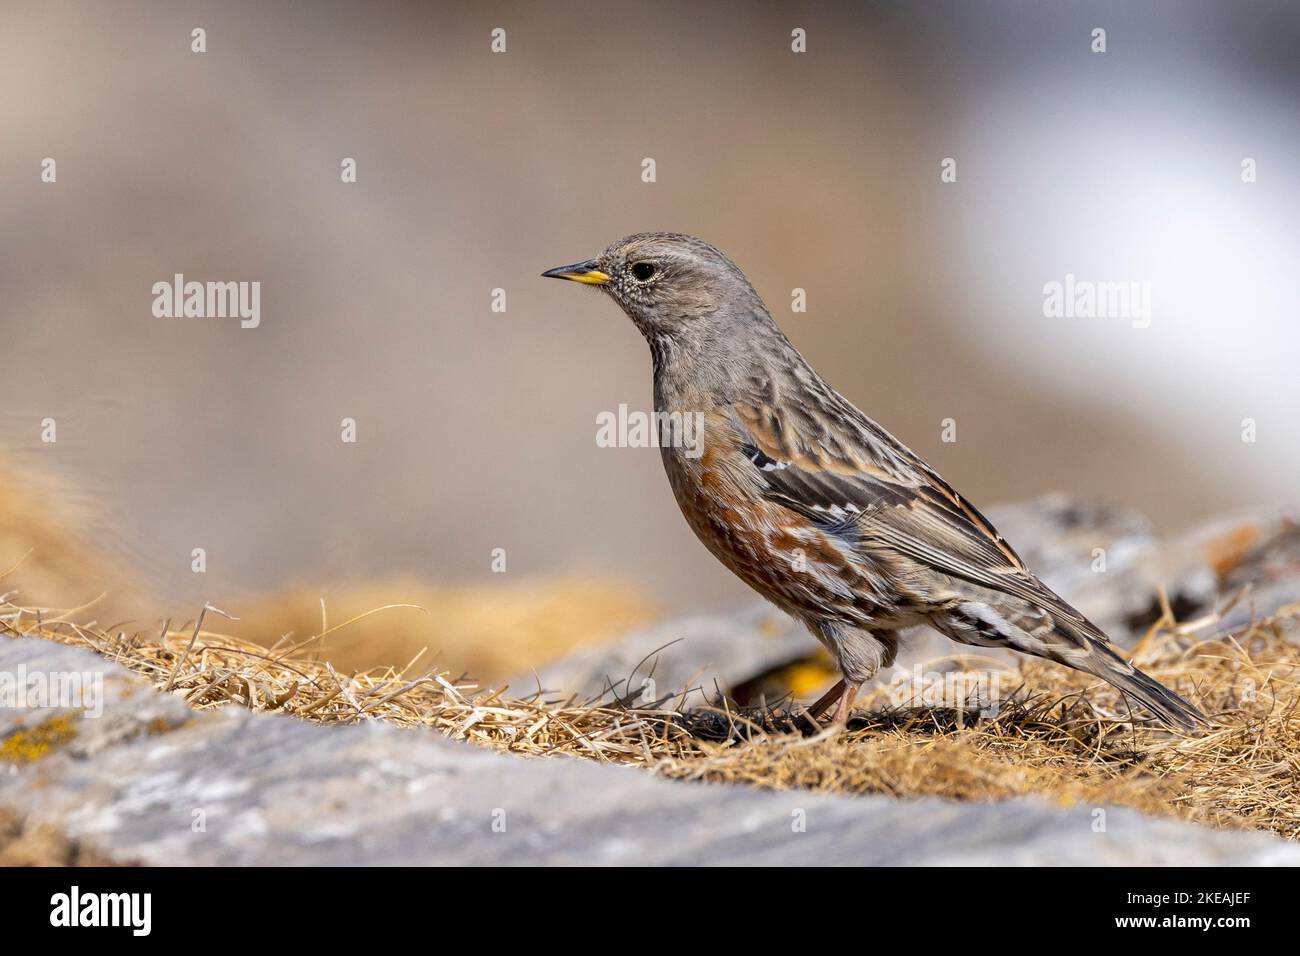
(584, 272)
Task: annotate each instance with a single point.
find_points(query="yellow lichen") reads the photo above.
(35, 743)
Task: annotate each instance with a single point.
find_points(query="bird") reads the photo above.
(816, 506)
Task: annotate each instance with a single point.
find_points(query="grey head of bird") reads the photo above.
(673, 286)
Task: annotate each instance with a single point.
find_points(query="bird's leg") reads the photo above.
(846, 705)
(828, 698)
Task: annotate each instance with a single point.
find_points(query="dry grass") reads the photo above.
(1069, 740)
(47, 546)
(48, 553)
(491, 630)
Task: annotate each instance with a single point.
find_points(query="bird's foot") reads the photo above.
(841, 718)
(824, 702)
(842, 695)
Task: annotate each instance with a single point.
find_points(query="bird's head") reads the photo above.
(669, 284)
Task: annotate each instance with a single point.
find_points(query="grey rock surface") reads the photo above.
(152, 781)
(696, 654)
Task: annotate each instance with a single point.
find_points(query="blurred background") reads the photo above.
(478, 170)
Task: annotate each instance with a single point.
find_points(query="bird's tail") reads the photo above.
(1155, 696)
(1062, 634)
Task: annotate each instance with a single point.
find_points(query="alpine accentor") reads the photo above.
(813, 504)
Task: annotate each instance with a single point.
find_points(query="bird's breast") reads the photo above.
(778, 552)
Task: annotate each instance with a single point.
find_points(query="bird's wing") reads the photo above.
(828, 462)
(850, 476)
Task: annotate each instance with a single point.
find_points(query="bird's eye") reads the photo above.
(643, 270)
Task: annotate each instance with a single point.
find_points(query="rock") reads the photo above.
(699, 653)
(150, 780)
(1108, 563)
